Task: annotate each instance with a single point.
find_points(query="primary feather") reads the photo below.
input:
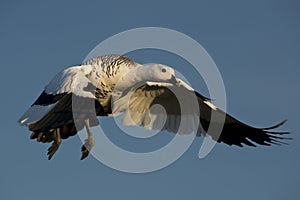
(146, 94)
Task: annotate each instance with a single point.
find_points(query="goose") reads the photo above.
(115, 84)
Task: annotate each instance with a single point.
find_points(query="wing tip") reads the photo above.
(276, 125)
(22, 120)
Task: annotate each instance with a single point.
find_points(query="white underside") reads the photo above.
(184, 124)
(155, 118)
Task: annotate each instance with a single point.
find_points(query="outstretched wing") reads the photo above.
(71, 80)
(179, 109)
(156, 106)
(235, 132)
(53, 108)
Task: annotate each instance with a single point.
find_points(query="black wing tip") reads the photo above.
(272, 134)
(271, 137)
(276, 125)
(253, 137)
(277, 140)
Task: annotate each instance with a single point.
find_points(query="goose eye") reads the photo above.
(163, 70)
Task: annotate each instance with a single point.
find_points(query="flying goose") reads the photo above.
(115, 84)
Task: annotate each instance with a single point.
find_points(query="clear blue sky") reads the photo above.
(256, 46)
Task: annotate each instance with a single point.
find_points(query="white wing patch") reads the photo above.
(179, 82)
(210, 105)
(73, 80)
(184, 84)
(159, 84)
(35, 113)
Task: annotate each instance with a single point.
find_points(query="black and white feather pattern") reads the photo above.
(196, 117)
(95, 80)
(90, 81)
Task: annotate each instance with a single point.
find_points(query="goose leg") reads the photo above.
(89, 142)
(56, 143)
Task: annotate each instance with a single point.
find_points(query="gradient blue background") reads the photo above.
(256, 46)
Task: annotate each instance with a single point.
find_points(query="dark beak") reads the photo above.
(173, 80)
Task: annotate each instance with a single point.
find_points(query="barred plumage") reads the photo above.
(63, 107)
